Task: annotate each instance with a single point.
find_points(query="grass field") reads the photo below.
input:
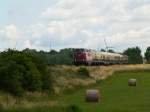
(116, 96)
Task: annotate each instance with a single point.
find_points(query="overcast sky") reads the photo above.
(74, 23)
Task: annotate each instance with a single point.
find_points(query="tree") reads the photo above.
(103, 50)
(53, 52)
(147, 55)
(111, 51)
(22, 71)
(10, 78)
(63, 57)
(134, 55)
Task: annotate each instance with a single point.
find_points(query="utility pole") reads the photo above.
(107, 47)
(106, 44)
(50, 46)
(15, 47)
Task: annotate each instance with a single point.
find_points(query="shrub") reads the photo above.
(10, 78)
(147, 55)
(21, 72)
(73, 108)
(47, 82)
(83, 72)
(134, 55)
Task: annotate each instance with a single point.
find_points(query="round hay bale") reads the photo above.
(132, 82)
(92, 96)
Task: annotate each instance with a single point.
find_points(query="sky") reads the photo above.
(57, 24)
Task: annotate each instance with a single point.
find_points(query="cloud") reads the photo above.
(143, 12)
(67, 9)
(85, 23)
(121, 22)
(27, 44)
(10, 32)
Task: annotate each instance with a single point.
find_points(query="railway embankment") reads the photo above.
(102, 72)
(66, 77)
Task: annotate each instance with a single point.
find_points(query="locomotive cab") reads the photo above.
(82, 57)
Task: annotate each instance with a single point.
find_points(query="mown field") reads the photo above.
(116, 96)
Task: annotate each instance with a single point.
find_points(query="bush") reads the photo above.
(47, 82)
(10, 78)
(73, 108)
(83, 72)
(147, 55)
(134, 55)
(20, 72)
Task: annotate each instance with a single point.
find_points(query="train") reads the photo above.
(92, 57)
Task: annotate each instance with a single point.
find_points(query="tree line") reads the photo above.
(65, 56)
(53, 57)
(135, 56)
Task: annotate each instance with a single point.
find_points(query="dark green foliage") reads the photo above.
(134, 55)
(10, 78)
(22, 71)
(10, 74)
(63, 57)
(34, 109)
(147, 54)
(73, 108)
(41, 60)
(53, 52)
(83, 72)
(103, 50)
(47, 82)
(111, 51)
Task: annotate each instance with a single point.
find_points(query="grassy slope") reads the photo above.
(116, 95)
(66, 77)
